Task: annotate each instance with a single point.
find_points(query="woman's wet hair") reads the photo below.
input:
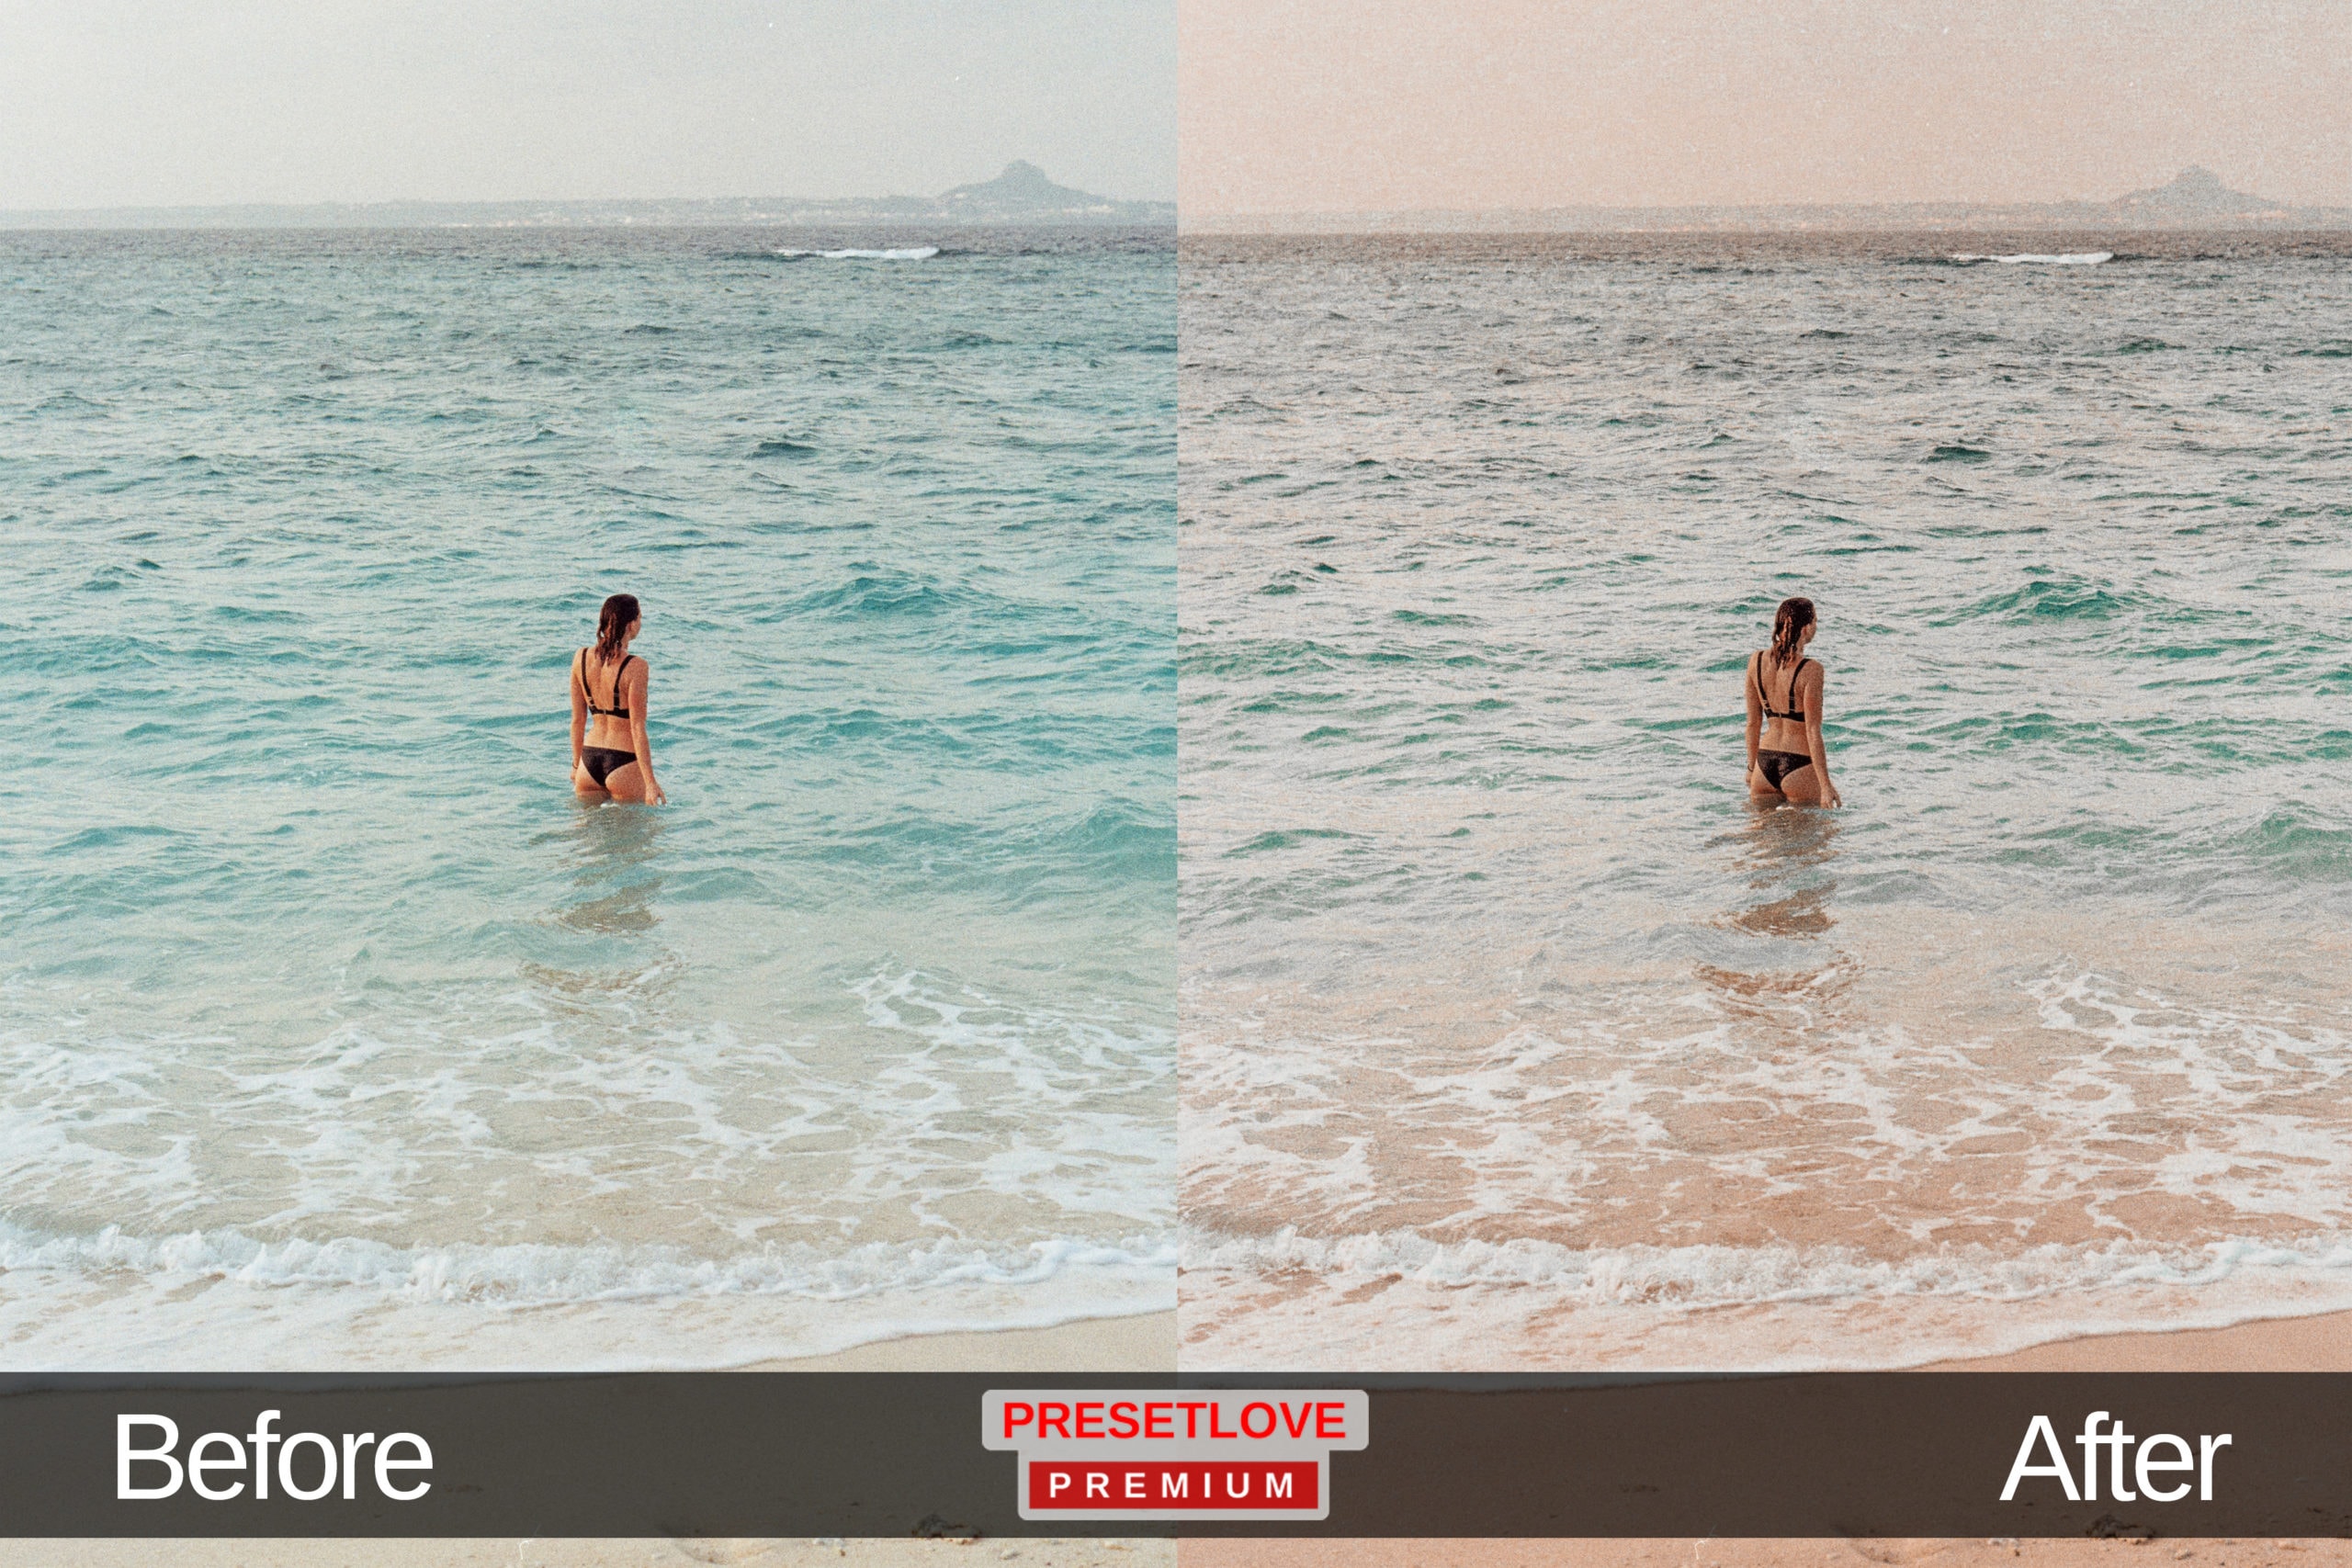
(1789, 625)
(620, 613)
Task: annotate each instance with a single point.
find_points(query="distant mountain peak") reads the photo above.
(2195, 191)
(1023, 189)
(1024, 174)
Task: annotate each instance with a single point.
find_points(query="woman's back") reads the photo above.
(1770, 672)
(608, 714)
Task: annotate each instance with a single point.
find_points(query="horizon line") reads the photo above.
(2180, 196)
(1766, 217)
(892, 199)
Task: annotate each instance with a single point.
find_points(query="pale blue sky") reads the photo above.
(156, 103)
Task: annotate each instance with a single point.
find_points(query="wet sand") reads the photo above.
(2319, 1344)
(1142, 1344)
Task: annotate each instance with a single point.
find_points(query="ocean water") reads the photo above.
(334, 1032)
(1516, 1035)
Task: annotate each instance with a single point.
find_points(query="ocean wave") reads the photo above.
(2061, 599)
(527, 1275)
(1399, 1301)
(907, 253)
(2041, 258)
(882, 592)
(1705, 1276)
(222, 1300)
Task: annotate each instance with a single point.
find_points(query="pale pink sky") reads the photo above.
(1338, 106)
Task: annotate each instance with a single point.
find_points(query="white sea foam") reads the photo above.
(1400, 1298)
(531, 1275)
(90, 1298)
(1724, 1110)
(1837, 1152)
(911, 252)
(2065, 258)
(949, 1161)
(1697, 1278)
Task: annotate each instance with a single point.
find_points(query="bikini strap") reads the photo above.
(590, 691)
(1764, 692)
(618, 675)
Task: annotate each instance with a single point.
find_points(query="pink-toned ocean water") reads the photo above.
(1513, 1034)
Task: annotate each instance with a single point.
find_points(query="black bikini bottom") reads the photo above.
(602, 761)
(1778, 765)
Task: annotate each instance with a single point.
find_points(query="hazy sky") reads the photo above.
(1333, 106)
(173, 102)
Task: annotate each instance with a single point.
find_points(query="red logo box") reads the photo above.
(1064, 1485)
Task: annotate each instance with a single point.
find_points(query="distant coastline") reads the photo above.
(2194, 199)
(1022, 194)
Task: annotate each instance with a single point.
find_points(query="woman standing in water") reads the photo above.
(613, 760)
(1786, 759)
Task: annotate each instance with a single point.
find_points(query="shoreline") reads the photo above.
(1141, 1342)
(2320, 1342)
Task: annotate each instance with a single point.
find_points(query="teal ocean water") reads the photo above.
(333, 1030)
(1515, 1034)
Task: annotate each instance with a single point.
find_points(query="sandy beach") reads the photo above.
(2317, 1344)
(1145, 1343)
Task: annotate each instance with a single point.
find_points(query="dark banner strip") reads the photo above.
(1865, 1454)
(875, 1454)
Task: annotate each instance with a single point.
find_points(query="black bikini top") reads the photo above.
(591, 696)
(1770, 712)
